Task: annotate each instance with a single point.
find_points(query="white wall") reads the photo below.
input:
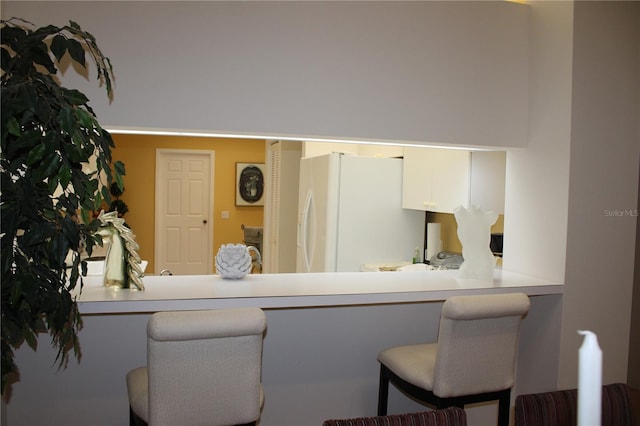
(537, 187)
(603, 184)
(447, 72)
(581, 161)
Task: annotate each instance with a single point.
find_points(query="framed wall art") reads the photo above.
(250, 184)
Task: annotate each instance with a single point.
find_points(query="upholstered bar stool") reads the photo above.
(472, 361)
(203, 368)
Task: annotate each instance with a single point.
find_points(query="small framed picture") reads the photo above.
(250, 184)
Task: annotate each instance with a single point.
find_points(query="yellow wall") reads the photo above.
(449, 230)
(138, 153)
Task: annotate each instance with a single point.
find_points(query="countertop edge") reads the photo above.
(289, 291)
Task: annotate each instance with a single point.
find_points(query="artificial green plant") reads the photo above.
(56, 167)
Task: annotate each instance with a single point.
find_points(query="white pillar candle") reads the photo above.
(589, 381)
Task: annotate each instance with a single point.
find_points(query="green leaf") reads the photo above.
(66, 119)
(53, 183)
(74, 153)
(52, 166)
(71, 230)
(27, 140)
(42, 109)
(40, 56)
(31, 339)
(13, 126)
(76, 51)
(75, 97)
(84, 215)
(74, 274)
(119, 168)
(119, 181)
(36, 154)
(86, 121)
(64, 175)
(29, 95)
(59, 46)
(92, 186)
(105, 194)
(5, 59)
(12, 35)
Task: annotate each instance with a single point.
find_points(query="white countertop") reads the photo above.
(190, 292)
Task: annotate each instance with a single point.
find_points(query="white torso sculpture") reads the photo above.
(474, 232)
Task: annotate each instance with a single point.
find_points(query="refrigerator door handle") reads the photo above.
(303, 233)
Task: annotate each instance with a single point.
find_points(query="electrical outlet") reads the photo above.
(225, 214)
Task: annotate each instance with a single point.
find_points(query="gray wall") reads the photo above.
(444, 72)
(318, 363)
(603, 188)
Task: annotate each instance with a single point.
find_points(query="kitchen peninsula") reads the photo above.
(323, 334)
(268, 291)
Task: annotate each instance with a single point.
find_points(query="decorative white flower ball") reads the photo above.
(233, 261)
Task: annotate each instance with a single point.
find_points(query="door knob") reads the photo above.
(204, 221)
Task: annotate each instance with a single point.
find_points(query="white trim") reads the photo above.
(124, 130)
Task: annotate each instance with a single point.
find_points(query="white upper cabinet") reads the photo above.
(488, 180)
(439, 180)
(435, 179)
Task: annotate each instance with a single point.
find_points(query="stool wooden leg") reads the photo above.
(383, 392)
(504, 408)
(134, 420)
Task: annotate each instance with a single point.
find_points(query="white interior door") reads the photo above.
(184, 208)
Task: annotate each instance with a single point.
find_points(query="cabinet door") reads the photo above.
(488, 179)
(450, 170)
(435, 179)
(416, 179)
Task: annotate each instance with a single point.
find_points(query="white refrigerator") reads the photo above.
(350, 213)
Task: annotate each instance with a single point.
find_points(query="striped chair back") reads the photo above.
(452, 416)
(560, 408)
